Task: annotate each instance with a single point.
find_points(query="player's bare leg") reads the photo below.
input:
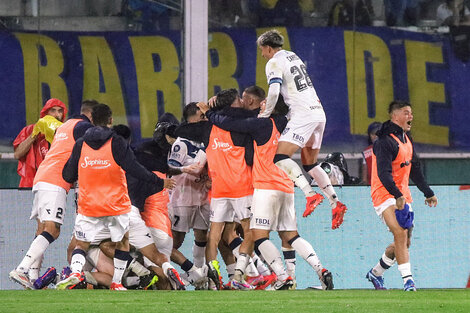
(401, 240)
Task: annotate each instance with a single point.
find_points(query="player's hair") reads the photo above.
(169, 118)
(101, 114)
(87, 105)
(123, 131)
(397, 105)
(190, 110)
(272, 38)
(256, 91)
(225, 98)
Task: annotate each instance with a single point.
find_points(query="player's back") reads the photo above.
(296, 85)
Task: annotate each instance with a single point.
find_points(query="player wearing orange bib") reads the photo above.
(394, 162)
(100, 160)
(50, 193)
(273, 198)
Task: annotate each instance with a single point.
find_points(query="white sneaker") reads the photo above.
(21, 278)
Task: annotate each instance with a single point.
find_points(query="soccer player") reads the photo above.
(189, 206)
(287, 76)
(30, 149)
(394, 161)
(100, 160)
(50, 192)
(273, 198)
(153, 204)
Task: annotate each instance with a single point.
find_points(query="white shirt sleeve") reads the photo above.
(178, 154)
(271, 100)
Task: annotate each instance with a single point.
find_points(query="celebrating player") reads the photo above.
(287, 76)
(50, 192)
(394, 161)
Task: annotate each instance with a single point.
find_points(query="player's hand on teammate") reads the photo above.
(431, 201)
(203, 107)
(169, 183)
(211, 102)
(193, 169)
(262, 107)
(401, 203)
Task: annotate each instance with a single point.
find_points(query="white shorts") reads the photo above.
(304, 135)
(139, 234)
(384, 205)
(162, 240)
(230, 209)
(273, 210)
(184, 218)
(49, 203)
(96, 229)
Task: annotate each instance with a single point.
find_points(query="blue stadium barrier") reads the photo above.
(440, 254)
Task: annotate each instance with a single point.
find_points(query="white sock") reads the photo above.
(251, 269)
(323, 181)
(138, 268)
(199, 255)
(272, 256)
(36, 249)
(294, 172)
(260, 266)
(306, 251)
(77, 262)
(230, 269)
(405, 271)
(165, 267)
(289, 259)
(119, 268)
(35, 268)
(240, 268)
(236, 251)
(384, 264)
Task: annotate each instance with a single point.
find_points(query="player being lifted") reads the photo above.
(287, 76)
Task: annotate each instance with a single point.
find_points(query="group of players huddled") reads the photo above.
(226, 172)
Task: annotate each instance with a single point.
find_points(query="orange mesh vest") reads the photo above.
(103, 185)
(266, 175)
(401, 168)
(50, 170)
(155, 212)
(231, 176)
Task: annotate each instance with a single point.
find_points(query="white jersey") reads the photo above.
(190, 190)
(287, 69)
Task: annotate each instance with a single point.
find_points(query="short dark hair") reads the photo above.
(87, 105)
(397, 105)
(190, 110)
(101, 114)
(256, 91)
(169, 118)
(225, 98)
(122, 130)
(272, 38)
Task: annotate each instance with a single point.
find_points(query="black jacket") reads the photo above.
(96, 137)
(386, 150)
(201, 131)
(153, 158)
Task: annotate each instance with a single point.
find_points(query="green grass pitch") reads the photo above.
(457, 300)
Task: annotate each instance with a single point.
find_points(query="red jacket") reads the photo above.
(29, 163)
